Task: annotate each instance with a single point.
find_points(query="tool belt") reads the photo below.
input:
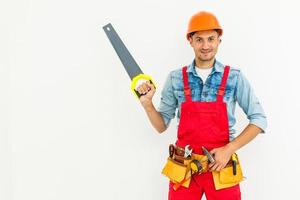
(181, 168)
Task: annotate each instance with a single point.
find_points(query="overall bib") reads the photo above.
(203, 124)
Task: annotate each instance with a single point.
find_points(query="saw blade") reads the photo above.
(126, 58)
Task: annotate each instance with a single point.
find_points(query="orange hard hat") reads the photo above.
(203, 21)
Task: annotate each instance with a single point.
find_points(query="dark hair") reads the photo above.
(193, 33)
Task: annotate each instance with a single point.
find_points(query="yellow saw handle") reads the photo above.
(135, 81)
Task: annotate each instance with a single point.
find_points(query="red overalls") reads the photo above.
(203, 124)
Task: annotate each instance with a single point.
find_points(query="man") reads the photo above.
(205, 94)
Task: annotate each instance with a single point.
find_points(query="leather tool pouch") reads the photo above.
(230, 175)
(180, 169)
(177, 171)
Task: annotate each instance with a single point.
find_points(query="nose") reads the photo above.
(205, 45)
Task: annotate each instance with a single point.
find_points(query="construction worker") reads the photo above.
(204, 94)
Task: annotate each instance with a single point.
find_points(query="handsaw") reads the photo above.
(132, 68)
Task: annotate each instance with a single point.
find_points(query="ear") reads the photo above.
(190, 40)
(220, 40)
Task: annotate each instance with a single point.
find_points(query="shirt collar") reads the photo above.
(218, 67)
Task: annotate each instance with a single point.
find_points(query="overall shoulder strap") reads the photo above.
(186, 87)
(221, 90)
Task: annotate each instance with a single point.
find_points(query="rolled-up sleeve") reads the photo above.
(168, 102)
(249, 103)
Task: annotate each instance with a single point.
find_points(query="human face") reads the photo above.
(205, 45)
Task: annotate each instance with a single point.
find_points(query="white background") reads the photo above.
(70, 128)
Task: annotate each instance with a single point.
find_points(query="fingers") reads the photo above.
(213, 151)
(151, 86)
(212, 165)
(216, 166)
(219, 168)
(145, 87)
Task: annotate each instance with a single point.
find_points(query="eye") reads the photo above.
(211, 39)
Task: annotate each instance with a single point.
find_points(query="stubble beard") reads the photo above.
(205, 58)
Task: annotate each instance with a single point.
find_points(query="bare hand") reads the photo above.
(222, 155)
(147, 90)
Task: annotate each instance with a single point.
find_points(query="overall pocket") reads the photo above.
(230, 175)
(227, 176)
(177, 172)
(202, 119)
(174, 170)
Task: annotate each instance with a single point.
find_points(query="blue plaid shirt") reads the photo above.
(238, 90)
